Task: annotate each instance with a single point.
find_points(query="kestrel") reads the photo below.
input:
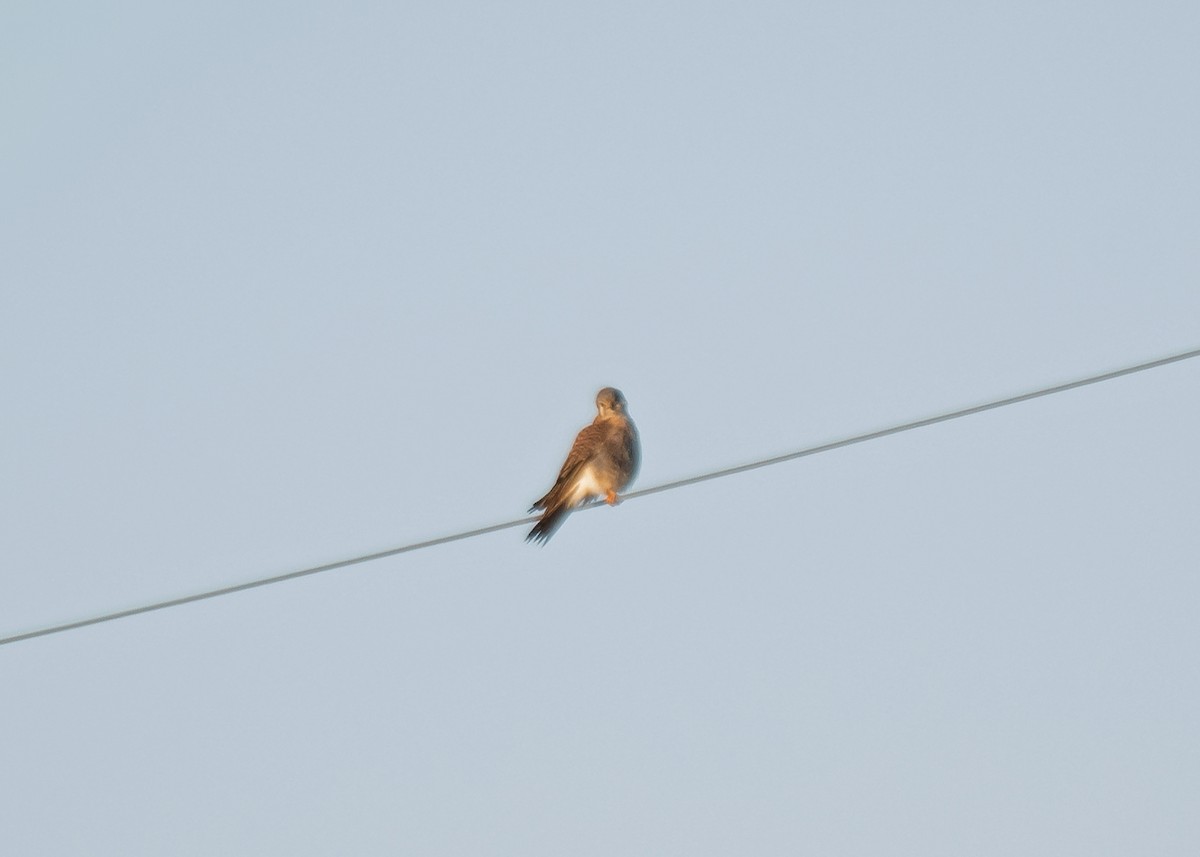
(603, 460)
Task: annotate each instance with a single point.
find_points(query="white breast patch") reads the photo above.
(587, 485)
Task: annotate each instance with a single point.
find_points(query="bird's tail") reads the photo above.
(550, 521)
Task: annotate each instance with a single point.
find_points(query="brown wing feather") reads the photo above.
(555, 501)
(586, 442)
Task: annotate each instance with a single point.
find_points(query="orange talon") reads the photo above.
(611, 499)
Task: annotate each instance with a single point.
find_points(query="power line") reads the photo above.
(657, 489)
(915, 424)
(265, 581)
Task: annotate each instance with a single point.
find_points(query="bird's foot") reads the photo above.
(611, 499)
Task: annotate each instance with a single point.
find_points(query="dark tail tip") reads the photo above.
(544, 529)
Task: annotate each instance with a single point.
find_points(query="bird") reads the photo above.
(602, 462)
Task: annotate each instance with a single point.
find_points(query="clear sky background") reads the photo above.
(285, 283)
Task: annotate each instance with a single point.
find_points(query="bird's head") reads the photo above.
(610, 401)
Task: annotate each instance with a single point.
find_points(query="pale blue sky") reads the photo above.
(286, 284)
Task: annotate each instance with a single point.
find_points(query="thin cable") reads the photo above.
(253, 584)
(657, 489)
(915, 424)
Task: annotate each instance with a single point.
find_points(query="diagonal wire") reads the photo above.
(915, 424)
(644, 492)
(264, 581)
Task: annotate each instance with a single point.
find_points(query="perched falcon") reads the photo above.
(603, 460)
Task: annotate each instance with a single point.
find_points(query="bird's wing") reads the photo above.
(586, 443)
